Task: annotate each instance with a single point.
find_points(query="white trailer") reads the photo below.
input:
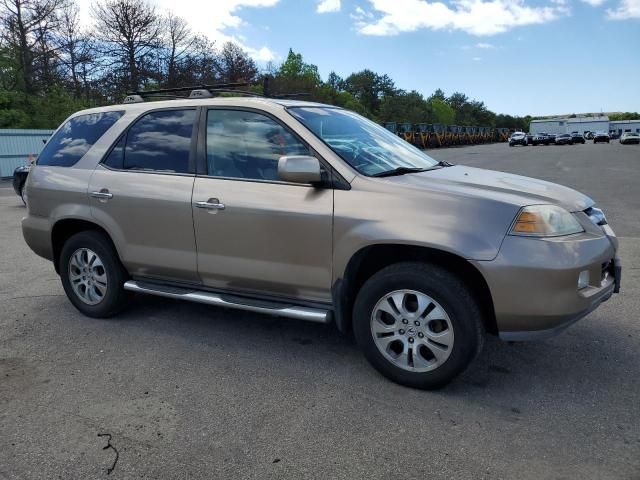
(568, 125)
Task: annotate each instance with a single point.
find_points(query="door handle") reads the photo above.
(211, 204)
(102, 194)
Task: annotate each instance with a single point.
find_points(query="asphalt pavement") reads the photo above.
(190, 391)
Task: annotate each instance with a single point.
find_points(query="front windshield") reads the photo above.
(366, 146)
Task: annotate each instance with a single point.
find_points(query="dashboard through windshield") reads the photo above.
(364, 145)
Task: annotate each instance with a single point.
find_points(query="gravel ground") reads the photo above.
(189, 391)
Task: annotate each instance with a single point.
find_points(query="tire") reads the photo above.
(460, 328)
(23, 194)
(105, 282)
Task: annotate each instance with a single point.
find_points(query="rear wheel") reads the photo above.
(92, 275)
(417, 324)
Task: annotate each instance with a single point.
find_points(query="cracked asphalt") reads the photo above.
(190, 391)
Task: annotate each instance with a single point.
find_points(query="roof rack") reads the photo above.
(266, 90)
(207, 91)
(291, 95)
(195, 91)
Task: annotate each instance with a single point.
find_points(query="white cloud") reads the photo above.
(476, 59)
(477, 17)
(264, 54)
(359, 15)
(328, 6)
(211, 18)
(625, 10)
(594, 3)
(482, 45)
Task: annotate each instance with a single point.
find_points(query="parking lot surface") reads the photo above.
(190, 391)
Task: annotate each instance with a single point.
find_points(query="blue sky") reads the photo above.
(520, 57)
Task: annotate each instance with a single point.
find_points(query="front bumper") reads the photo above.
(534, 282)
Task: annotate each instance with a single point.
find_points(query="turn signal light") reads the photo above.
(545, 221)
(530, 223)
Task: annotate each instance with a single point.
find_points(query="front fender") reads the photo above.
(471, 228)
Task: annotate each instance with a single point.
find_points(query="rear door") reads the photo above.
(266, 236)
(141, 193)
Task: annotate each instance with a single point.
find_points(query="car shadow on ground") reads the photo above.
(565, 365)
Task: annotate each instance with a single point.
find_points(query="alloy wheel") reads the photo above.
(412, 330)
(87, 276)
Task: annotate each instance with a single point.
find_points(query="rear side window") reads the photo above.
(160, 141)
(75, 138)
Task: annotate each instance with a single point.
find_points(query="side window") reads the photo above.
(160, 141)
(243, 144)
(75, 138)
(115, 159)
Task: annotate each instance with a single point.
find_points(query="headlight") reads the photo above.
(545, 221)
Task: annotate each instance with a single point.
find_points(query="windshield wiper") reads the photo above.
(400, 171)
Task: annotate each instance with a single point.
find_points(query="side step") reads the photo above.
(199, 296)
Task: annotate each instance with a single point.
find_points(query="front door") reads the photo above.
(141, 193)
(257, 234)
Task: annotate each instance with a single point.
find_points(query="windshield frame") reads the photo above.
(290, 108)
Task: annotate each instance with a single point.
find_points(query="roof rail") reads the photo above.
(195, 91)
(291, 95)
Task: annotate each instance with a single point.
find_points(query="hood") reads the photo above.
(499, 186)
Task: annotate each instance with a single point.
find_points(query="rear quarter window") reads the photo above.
(69, 144)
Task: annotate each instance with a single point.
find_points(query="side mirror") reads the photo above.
(299, 169)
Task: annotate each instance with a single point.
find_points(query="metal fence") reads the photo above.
(17, 145)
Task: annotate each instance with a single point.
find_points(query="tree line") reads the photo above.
(52, 65)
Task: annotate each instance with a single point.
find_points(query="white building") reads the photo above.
(620, 126)
(568, 125)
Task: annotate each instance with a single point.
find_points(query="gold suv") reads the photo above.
(313, 212)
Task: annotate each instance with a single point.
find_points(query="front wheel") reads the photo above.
(417, 324)
(92, 275)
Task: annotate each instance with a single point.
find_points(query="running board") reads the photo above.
(228, 301)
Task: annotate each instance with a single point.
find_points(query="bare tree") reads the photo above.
(200, 65)
(129, 31)
(75, 49)
(27, 26)
(234, 64)
(178, 41)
